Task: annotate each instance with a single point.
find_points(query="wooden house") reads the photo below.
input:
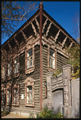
(37, 47)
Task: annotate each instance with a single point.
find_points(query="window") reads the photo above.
(3, 100)
(29, 59)
(16, 65)
(3, 72)
(15, 95)
(52, 59)
(8, 93)
(29, 94)
(8, 96)
(9, 69)
(2, 96)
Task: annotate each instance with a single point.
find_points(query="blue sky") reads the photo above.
(62, 12)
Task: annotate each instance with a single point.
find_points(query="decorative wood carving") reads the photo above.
(9, 46)
(24, 36)
(44, 25)
(29, 82)
(34, 29)
(48, 29)
(59, 28)
(37, 23)
(64, 42)
(27, 23)
(57, 35)
(16, 42)
(70, 45)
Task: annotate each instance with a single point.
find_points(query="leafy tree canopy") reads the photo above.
(13, 12)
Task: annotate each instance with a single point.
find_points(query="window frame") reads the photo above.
(30, 69)
(8, 87)
(3, 89)
(9, 76)
(28, 94)
(3, 78)
(51, 68)
(16, 74)
(52, 57)
(29, 82)
(15, 86)
(29, 57)
(9, 69)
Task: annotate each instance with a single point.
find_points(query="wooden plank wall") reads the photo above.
(35, 75)
(44, 68)
(61, 60)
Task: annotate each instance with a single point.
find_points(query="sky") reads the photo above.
(62, 12)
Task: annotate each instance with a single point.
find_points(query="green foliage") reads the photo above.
(46, 113)
(58, 115)
(57, 72)
(74, 58)
(3, 113)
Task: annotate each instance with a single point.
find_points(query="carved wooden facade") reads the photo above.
(15, 51)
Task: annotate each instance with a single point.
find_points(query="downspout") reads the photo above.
(41, 8)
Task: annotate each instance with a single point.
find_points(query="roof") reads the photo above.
(37, 13)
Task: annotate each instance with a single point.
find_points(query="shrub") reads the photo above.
(4, 113)
(46, 113)
(58, 115)
(31, 115)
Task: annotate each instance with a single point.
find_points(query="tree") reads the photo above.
(76, 26)
(74, 59)
(74, 52)
(13, 12)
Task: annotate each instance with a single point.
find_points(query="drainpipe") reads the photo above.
(41, 8)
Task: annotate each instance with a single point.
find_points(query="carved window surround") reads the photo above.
(4, 90)
(29, 82)
(9, 76)
(16, 74)
(15, 86)
(51, 68)
(8, 87)
(31, 69)
(3, 71)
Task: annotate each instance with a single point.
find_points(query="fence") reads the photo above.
(63, 93)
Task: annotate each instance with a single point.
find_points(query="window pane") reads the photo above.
(9, 69)
(50, 61)
(3, 72)
(51, 53)
(15, 95)
(8, 96)
(30, 97)
(31, 62)
(8, 91)
(29, 53)
(27, 98)
(15, 61)
(29, 88)
(16, 98)
(27, 63)
(17, 68)
(54, 54)
(15, 90)
(2, 96)
(53, 63)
